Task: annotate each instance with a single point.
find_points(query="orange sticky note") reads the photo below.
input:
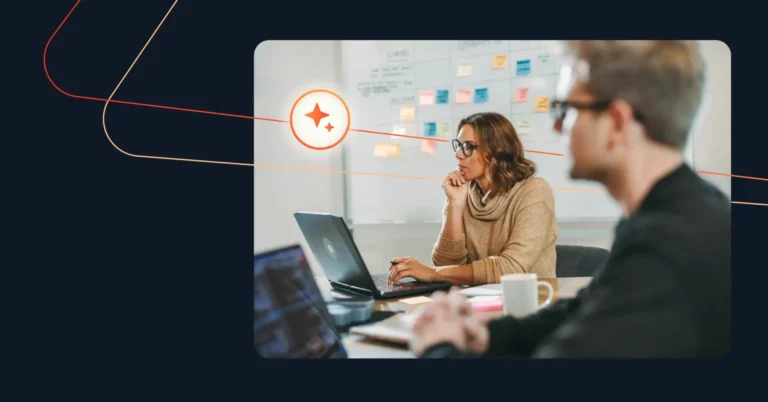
(463, 96)
(521, 94)
(499, 61)
(416, 300)
(542, 104)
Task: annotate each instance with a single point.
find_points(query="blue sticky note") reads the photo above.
(430, 129)
(481, 95)
(441, 97)
(524, 67)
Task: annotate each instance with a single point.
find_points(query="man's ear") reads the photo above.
(622, 116)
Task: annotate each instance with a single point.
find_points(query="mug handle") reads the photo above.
(551, 293)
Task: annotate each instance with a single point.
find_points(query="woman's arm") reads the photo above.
(451, 248)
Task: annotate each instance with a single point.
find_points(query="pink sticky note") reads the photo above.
(427, 97)
(521, 94)
(491, 303)
(463, 96)
(428, 147)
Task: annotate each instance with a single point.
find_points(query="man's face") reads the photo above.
(589, 130)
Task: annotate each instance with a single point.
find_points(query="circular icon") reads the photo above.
(319, 119)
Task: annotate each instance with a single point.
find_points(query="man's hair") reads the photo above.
(662, 81)
(498, 140)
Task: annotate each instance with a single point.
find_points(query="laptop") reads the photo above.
(333, 247)
(290, 315)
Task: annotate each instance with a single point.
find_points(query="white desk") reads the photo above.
(359, 347)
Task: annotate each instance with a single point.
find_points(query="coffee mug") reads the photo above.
(520, 294)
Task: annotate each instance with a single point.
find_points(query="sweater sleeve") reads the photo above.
(526, 243)
(449, 252)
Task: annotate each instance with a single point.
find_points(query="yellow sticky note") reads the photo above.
(463, 96)
(427, 98)
(416, 300)
(407, 112)
(391, 150)
(464, 70)
(500, 61)
(523, 127)
(542, 104)
(444, 129)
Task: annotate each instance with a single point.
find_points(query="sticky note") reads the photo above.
(391, 150)
(464, 70)
(441, 96)
(523, 127)
(416, 300)
(545, 62)
(426, 98)
(397, 130)
(430, 129)
(521, 94)
(444, 129)
(499, 61)
(428, 146)
(524, 67)
(542, 104)
(463, 96)
(407, 112)
(481, 95)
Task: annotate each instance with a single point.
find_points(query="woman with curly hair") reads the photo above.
(497, 217)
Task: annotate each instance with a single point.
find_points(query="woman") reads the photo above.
(497, 219)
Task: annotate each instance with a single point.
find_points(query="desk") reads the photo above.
(361, 347)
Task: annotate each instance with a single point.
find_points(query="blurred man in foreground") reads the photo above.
(627, 107)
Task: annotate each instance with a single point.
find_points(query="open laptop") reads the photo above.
(290, 315)
(333, 247)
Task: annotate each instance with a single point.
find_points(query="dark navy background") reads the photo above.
(141, 269)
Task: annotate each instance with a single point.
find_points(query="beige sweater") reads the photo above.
(513, 232)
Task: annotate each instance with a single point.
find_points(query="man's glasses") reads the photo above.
(466, 147)
(559, 109)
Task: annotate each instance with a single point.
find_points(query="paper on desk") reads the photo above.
(484, 290)
(416, 300)
(480, 299)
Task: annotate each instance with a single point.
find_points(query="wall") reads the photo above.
(283, 70)
(712, 138)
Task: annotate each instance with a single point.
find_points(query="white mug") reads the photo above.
(520, 293)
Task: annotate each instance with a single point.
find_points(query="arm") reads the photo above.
(451, 248)
(530, 234)
(639, 309)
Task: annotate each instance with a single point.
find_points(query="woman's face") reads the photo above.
(471, 167)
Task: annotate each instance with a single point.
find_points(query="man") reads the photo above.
(628, 107)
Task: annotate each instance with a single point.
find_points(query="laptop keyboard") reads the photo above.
(385, 286)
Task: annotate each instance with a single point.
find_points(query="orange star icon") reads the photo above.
(317, 115)
(329, 127)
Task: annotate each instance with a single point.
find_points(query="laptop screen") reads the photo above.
(291, 319)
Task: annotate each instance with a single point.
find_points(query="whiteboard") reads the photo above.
(383, 77)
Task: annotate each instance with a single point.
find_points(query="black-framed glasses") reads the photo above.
(558, 109)
(466, 147)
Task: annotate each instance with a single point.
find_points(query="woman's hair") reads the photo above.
(498, 140)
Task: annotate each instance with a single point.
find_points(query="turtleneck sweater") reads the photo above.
(514, 231)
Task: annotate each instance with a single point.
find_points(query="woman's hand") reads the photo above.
(405, 267)
(456, 187)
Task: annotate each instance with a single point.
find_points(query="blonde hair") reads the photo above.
(662, 81)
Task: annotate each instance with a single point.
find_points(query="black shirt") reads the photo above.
(664, 292)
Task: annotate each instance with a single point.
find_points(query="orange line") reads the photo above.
(48, 75)
(732, 175)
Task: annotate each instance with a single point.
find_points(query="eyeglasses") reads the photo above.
(466, 147)
(559, 109)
